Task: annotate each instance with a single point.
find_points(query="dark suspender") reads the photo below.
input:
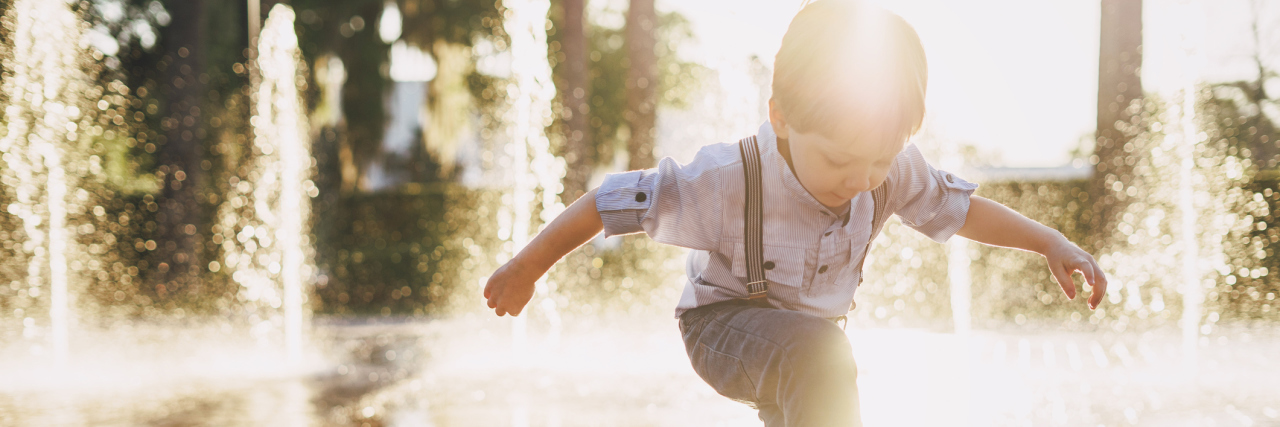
(878, 196)
(753, 221)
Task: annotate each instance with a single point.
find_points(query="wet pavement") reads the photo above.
(479, 370)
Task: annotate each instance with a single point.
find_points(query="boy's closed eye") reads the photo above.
(838, 163)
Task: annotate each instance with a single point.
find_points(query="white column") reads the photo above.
(960, 276)
(533, 168)
(280, 130)
(1187, 134)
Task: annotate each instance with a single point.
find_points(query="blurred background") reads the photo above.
(283, 213)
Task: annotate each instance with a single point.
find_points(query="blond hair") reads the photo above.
(848, 68)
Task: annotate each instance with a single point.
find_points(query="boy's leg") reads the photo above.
(797, 369)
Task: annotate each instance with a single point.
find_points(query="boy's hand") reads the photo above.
(994, 224)
(510, 288)
(1066, 258)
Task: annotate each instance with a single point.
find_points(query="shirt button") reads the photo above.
(827, 233)
(822, 269)
(768, 265)
(949, 179)
(640, 197)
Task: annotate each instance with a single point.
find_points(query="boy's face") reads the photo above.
(836, 170)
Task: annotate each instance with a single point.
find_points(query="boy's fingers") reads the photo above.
(1064, 279)
(1099, 276)
(1090, 275)
(1099, 289)
(505, 308)
(1087, 271)
(489, 294)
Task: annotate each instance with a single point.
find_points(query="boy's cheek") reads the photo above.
(815, 179)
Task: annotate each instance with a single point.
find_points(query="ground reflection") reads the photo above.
(95, 331)
(631, 370)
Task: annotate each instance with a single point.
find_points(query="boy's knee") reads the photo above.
(820, 345)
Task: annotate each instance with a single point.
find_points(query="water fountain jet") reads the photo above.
(42, 82)
(1192, 289)
(270, 260)
(534, 168)
(1187, 138)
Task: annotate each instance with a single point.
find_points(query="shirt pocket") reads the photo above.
(788, 269)
(835, 271)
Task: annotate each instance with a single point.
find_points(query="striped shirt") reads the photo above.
(814, 254)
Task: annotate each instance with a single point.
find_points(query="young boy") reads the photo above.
(848, 91)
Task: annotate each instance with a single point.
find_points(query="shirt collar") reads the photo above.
(769, 149)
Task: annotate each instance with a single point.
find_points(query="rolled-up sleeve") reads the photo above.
(932, 201)
(674, 204)
(622, 201)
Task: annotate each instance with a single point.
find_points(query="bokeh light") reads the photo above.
(293, 226)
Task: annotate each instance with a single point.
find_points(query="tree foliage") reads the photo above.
(678, 79)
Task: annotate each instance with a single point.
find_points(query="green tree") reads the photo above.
(607, 93)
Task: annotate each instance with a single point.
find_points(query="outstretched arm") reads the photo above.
(994, 224)
(511, 286)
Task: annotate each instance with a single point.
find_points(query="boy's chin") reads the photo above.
(834, 201)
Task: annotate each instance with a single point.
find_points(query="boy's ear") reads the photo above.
(776, 120)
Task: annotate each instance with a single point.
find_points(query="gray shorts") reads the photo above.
(796, 369)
